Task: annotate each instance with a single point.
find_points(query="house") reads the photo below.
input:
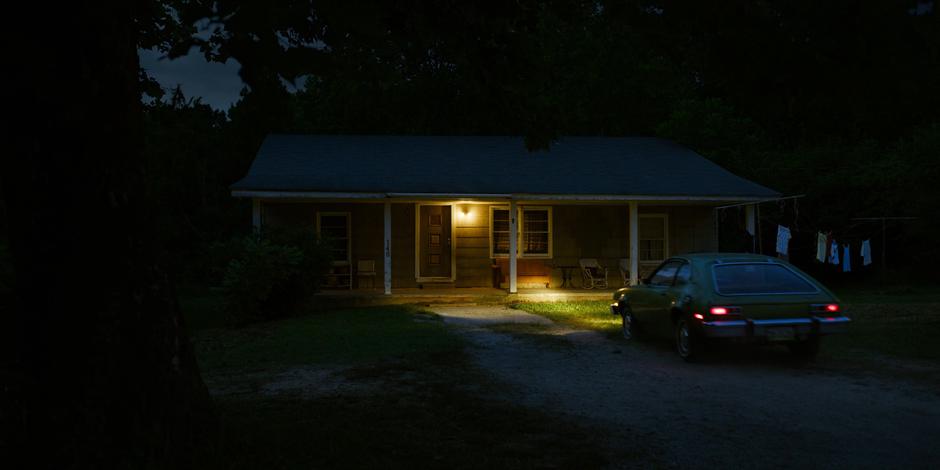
(437, 210)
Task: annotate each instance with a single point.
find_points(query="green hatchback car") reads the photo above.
(701, 297)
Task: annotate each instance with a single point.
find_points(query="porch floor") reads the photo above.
(476, 295)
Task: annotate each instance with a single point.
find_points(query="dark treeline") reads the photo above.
(837, 100)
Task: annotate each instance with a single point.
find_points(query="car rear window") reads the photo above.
(759, 278)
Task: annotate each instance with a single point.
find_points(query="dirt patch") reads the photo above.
(751, 407)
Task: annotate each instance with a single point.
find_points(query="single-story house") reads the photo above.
(464, 211)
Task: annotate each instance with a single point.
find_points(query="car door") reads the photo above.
(651, 306)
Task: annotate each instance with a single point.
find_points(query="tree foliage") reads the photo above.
(837, 101)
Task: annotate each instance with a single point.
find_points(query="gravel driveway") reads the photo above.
(733, 411)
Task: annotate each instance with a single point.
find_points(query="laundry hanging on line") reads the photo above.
(866, 252)
(846, 259)
(783, 239)
(821, 247)
(834, 253)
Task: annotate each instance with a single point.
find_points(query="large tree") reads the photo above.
(99, 370)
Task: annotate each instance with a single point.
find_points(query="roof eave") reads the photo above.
(269, 194)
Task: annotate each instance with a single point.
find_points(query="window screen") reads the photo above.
(334, 228)
(652, 230)
(535, 228)
(500, 232)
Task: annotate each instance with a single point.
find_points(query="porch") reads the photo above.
(456, 295)
(434, 249)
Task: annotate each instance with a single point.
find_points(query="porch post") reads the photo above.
(634, 243)
(750, 223)
(256, 215)
(388, 248)
(513, 234)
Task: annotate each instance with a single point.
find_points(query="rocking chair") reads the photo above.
(593, 274)
(625, 271)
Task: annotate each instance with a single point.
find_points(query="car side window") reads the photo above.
(665, 274)
(684, 275)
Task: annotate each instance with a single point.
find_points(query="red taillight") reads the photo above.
(719, 311)
(698, 316)
(832, 308)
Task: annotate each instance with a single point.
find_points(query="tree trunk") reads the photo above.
(99, 371)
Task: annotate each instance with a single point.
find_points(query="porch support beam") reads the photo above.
(513, 242)
(256, 215)
(634, 243)
(388, 248)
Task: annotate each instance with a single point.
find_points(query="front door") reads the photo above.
(434, 248)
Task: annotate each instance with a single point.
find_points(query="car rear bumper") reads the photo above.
(800, 327)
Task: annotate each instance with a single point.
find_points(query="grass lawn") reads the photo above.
(585, 314)
(889, 294)
(907, 330)
(417, 401)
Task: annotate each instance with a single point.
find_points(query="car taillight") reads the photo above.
(825, 309)
(724, 310)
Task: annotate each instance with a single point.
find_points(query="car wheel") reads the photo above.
(689, 344)
(629, 326)
(805, 350)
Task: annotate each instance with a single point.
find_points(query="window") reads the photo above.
(685, 274)
(499, 226)
(654, 237)
(665, 274)
(535, 232)
(334, 229)
(759, 278)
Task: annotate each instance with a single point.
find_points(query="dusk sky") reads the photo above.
(218, 85)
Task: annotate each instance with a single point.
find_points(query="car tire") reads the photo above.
(629, 327)
(689, 343)
(805, 350)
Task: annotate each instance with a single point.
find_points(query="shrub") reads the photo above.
(267, 277)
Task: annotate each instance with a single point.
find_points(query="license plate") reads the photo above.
(780, 334)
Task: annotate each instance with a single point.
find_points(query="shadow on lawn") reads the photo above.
(409, 398)
(431, 419)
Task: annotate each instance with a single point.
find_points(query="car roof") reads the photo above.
(719, 258)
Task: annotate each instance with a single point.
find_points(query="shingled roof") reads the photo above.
(600, 166)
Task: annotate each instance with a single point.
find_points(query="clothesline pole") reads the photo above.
(756, 238)
(884, 244)
(760, 238)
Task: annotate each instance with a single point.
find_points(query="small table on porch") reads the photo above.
(565, 274)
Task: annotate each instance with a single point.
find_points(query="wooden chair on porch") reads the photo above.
(593, 274)
(625, 271)
(365, 268)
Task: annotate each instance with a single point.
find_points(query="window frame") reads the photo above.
(348, 215)
(665, 219)
(672, 281)
(520, 213)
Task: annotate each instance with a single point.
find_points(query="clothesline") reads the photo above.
(828, 248)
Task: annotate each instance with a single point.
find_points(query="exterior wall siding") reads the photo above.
(578, 231)
(472, 240)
